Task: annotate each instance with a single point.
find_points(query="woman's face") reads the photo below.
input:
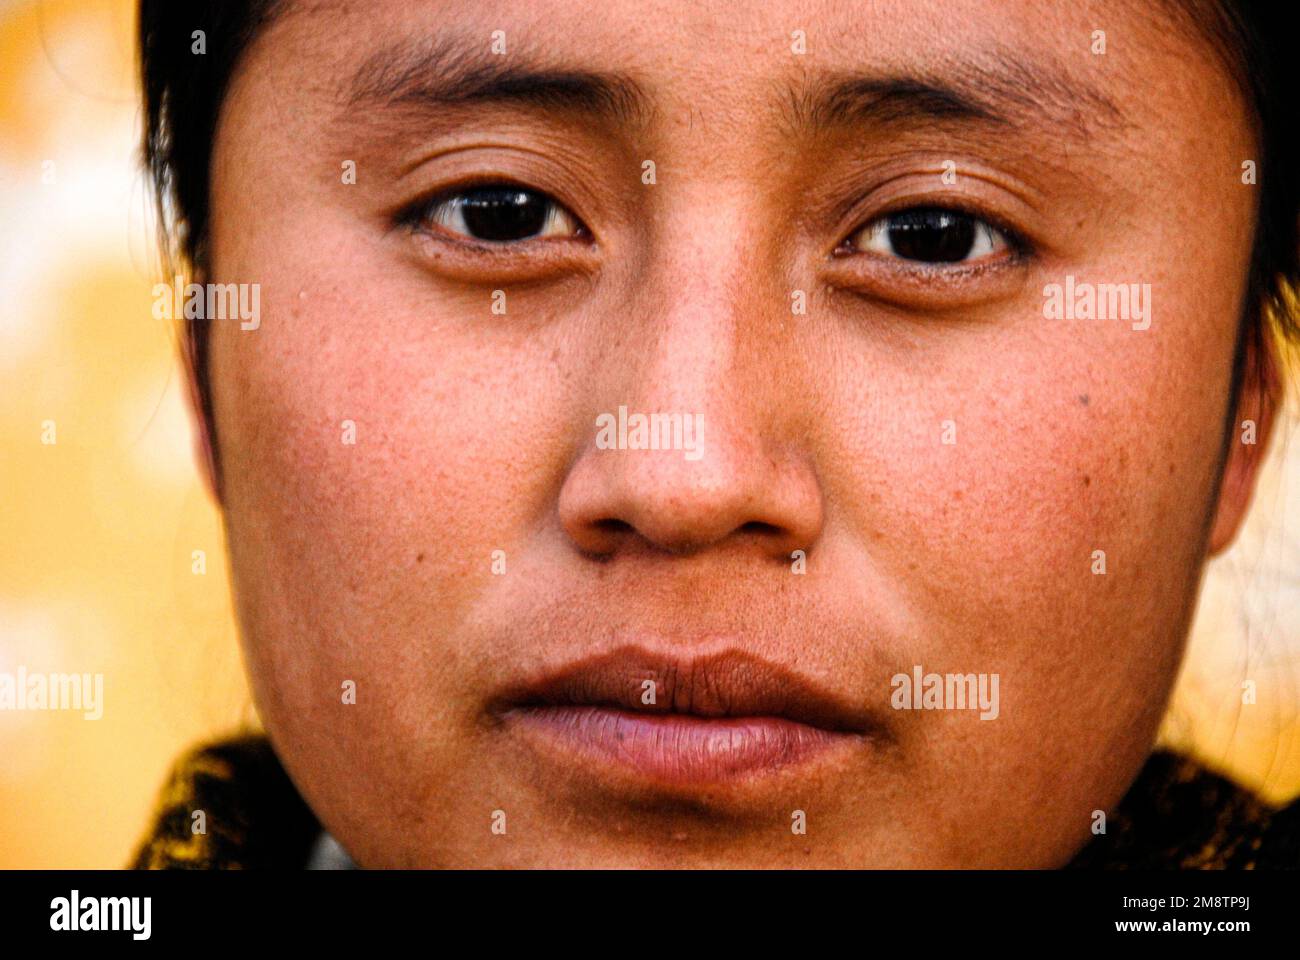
(895, 455)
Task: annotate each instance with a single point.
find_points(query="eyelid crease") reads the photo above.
(852, 197)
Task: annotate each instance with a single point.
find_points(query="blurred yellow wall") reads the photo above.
(97, 530)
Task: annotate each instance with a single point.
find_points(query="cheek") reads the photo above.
(1064, 443)
(1018, 451)
(1042, 475)
(379, 450)
(1009, 463)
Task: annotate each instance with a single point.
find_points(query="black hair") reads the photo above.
(1249, 37)
(183, 93)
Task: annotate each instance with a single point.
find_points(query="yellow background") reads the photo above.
(97, 530)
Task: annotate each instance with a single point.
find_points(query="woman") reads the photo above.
(791, 436)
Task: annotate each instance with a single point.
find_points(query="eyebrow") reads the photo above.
(997, 91)
(451, 71)
(994, 90)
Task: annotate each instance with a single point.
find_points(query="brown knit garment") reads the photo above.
(255, 819)
(1177, 816)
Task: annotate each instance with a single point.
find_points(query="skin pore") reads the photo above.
(774, 172)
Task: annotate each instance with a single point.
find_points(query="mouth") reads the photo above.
(726, 717)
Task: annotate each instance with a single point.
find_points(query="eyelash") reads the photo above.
(430, 216)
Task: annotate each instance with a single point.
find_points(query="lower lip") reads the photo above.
(680, 748)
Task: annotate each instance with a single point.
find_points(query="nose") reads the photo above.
(738, 490)
(694, 443)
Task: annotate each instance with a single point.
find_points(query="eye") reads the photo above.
(500, 213)
(931, 235)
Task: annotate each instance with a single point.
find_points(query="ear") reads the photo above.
(203, 453)
(1258, 398)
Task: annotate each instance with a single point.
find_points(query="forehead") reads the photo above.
(682, 50)
(1067, 90)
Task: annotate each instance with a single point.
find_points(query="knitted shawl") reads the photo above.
(1177, 815)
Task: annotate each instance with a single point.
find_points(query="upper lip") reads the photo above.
(731, 683)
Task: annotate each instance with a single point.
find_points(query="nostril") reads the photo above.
(774, 538)
(603, 538)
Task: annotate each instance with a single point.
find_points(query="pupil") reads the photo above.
(503, 213)
(932, 236)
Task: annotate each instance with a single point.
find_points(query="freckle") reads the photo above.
(419, 557)
(1171, 469)
(1083, 399)
(1087, 480)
